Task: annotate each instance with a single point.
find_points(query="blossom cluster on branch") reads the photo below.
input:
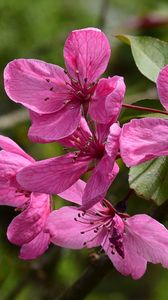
(80, 110)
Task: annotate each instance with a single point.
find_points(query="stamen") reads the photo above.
(47, 98)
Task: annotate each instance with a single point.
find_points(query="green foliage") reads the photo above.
(150, 54)
(149, 180)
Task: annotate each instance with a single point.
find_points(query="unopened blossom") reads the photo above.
(147, 138)
(93, 150)
(56, 97)
(27, 228)
(130, 242)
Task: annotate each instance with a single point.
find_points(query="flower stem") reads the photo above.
(152, 110)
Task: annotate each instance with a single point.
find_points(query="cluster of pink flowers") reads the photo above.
(76, 108)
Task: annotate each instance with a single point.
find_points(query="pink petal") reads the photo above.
(11, 163)
(82, 130)
(112, 143)
(10, 146)
(10, 191)
(66, 232)
(99, 182)
(54, 175)
(105, 172)
(10, 195)
(37, 85)
(149, 237)
(36, 247)
(106, 102)
(27, 225)
(86, 53)
(52, 127)
(74, 193)
(143, 139)
(132, 264)
(102, 131)
(162, 86)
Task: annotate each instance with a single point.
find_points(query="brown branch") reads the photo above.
(96, 271)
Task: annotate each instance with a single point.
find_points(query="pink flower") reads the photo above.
(162, 86)
(26, 229)
(130, 242)
(57, 98)
(147, 138)
(55, 175)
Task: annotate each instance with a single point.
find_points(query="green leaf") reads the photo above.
(150, 54)
(128, 114)
(150, 180)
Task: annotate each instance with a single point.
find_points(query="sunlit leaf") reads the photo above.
(150, 54)
(150, 180)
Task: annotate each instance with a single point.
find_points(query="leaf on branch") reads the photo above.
(150, 180)
(129, 114)
(150, 54)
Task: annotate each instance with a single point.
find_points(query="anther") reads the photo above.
(82, 232)
(85, 80)
(74, 81)
(75, 219)
(91, 85)
(51, 89)
(65, 71)
(79, 215)
(48, 80)
(84, 243)
(47, 98)
(79, 93)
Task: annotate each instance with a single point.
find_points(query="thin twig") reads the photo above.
(152, 110)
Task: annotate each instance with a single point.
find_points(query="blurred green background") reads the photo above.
(38, 29)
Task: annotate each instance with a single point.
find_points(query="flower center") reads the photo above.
(102, 221)
(87, 145)
(80, 91)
